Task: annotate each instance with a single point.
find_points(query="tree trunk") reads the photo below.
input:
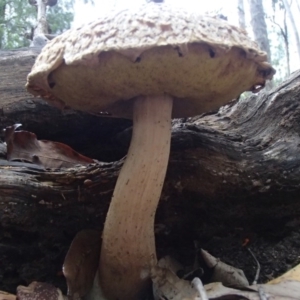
(284, 32)
(259, 26)
(42, 25)
(233, 173)
(286, 45)
(292, 20)
(248, 144)
(241, 14)
(298, 5)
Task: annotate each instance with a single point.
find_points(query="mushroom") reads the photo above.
(150, 64)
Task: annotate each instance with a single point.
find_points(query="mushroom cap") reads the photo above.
(202, 62)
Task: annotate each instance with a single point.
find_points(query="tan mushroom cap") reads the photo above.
(201, 61)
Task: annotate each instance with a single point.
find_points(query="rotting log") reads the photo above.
(251, 145)
(247, 147)
(235, 168)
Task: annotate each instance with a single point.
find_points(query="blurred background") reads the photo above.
(272, 23)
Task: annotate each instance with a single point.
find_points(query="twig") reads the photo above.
(258, 266)
(197, 284)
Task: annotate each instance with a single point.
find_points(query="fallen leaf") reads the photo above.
(167, 285)
(24, 146)
(228, 275)
(170, 263)
(81, 262)
(39, 291)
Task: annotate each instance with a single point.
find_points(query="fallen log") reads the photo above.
(250, 146)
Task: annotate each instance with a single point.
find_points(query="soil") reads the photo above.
(35, 248)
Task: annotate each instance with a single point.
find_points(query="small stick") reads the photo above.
(197, 284)
(258, 266)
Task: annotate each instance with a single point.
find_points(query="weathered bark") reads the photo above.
(241, 159)
(251, 146)
(257, 138)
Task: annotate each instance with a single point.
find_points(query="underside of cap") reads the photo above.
(202, 62)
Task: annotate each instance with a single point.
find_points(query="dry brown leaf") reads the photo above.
(7, 296)
(166, 285)
(228, 275)
(81, 262)
(24, 146)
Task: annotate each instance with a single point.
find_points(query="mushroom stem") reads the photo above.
(128, 245)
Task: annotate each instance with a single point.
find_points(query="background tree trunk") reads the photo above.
(295, 29)
(42, 25)
(259, 26)
(298, 5)
(241, 14)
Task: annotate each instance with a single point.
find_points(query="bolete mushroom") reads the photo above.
(150, 64)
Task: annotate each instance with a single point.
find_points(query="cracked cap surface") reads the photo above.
(201, 61)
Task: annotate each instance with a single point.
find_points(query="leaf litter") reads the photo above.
(25, 147)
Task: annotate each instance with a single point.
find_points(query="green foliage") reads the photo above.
(15, 18)
(18, 19)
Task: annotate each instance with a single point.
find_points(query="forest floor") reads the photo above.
(34, 249)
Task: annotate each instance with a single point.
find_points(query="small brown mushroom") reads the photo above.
(149, 64)
(39, 291)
